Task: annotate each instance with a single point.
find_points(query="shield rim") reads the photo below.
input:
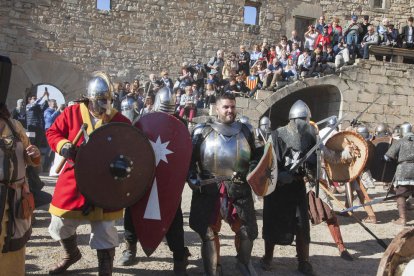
(138, 197)
(360, 170)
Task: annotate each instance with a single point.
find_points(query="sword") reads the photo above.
(316, 146)
(379, 241)
(318, 167)
(376, 201)
(354, 122)
(325, 120)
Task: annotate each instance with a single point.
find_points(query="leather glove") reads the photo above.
(68, 151)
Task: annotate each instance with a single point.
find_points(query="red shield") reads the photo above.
(154, 213)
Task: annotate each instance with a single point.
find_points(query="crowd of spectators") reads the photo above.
(325, 47)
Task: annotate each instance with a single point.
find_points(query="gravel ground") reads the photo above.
(42, 251)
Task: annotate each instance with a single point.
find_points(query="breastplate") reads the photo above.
(221, 155)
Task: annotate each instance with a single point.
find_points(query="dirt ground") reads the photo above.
(42, 251)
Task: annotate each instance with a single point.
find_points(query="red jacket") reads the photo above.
(67, 201)
(322, 40)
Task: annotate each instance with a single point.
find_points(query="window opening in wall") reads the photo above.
(378, 4)
(251, 13)
(103, 5)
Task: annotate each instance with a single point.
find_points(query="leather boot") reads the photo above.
(72, 255)
(266, 260)
(128, 255)
(302, 250)
(180, 264)
(209, 256)
(337, 237)
(402, 211)
(105, 261)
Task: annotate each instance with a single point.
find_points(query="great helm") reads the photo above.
(99, 93)
(363, 131)
(405, 129)
(128, 108)
(165, 100)
(299, 110)
(381, 130)
(264, 124)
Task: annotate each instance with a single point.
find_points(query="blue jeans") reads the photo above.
(352, 41)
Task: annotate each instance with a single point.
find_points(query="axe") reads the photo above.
(74, 142)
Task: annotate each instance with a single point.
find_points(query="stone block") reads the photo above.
(263, 94)
(252, 114)
(365, 97)
(398, 100)
(378, 70)
(348, 75)
(394, 73)
(402, 90)
(253, 104)
(242, 102)
(262, 108)
(375, 79)
(410, 100)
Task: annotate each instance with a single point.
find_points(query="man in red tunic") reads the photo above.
(69, 208)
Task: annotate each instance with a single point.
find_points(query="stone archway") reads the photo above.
(64, 76)
(323, 101)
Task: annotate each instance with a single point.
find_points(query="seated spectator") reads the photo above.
(211, 78)
(310, 37)
(188, 104)
(342, 57)
(271, 55)
(227, 73)
(283, 58)
(253, 81)
(154, 84)
(244, 61)
(318, 64)
(323, 39)
(185, 78)
(371, 38)
(234, 64)
(232, 87)
(216, 64)
(407, 34)
(261, 70)
(364, 25)
(210, 97)
(166, 80)
(391, 37)
(273, 74)
(283, 46)
(148, 106)
(295, 53)
(382, 29)
(289, 71)
(351, 34)
(255, 55)
(321, 23)
(241, 85)
(329, 59)
(295, 39)
(304, 63)
(265, 49)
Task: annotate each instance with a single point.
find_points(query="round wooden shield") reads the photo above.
(115, 167)
(398, 254)
(346, 172)
(380, 170)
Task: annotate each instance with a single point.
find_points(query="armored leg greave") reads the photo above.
(336, 233)
(244, 252)
(209, 253)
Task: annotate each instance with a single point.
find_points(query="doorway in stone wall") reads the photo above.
(323, 101)
(302, 24)
(54, 93)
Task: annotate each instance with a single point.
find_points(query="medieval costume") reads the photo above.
(285, 211)
(69, 208)
(164, 102)
(221, 149)
(15, 228)
(402, 151)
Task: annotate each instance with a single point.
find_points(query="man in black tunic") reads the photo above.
(285, 211)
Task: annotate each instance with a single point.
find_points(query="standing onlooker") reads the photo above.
(271, 55)
(321, 23)
(295, 53)
(50, 115)
(310, 37)
(304, 63)
(364, 25)
(407, 34)
(265, 49)
(295, 39)
(351, 34)
(34, 118)
(210, 96)
(273, 74)
(188, 104)
(19, 113)
(244, 60)
(323, 39)
(335, 31)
